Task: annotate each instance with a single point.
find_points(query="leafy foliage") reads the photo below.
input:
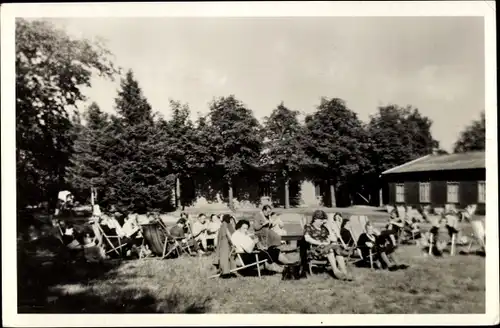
(131, 103)
(473, 138)
(88, 166)
(185, 143)
(284, 145)
(236, 135)
(139, 177)
(399, 135)
(337, 141)
(51, 68)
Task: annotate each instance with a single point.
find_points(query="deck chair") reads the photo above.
(91, 251)
(356, 227)
(190, 230)
(338, 231)
(178, 246)
(108, 239)
(310, 263)
(233, 254)
(452, 222)
(478, 228)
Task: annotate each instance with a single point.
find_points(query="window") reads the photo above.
(481, 192)
(425, 192)
(400, 193)
(452, 192)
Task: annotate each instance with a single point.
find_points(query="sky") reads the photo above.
(435, 64)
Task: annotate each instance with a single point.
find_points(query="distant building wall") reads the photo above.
(469, 183)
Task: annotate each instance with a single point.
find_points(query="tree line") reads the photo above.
(136, 159)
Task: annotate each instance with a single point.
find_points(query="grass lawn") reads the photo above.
(431, 285)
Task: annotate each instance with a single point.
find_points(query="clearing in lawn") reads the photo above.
(452, 284)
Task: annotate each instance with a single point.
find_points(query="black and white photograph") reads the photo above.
(249, 158)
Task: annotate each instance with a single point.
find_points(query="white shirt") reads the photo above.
(242, 242)
(130, 227)
(198, 228)
(214, 226)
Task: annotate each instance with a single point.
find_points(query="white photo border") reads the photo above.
(9, 12)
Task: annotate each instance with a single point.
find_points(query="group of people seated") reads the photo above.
(445, 229)
(262, 237)
(197, 232)
(330, 240)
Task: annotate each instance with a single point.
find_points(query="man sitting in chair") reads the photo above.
(382, 246)
(276, 224)
(178, 232)
(213, 227)
(199, 231)
(245, 245)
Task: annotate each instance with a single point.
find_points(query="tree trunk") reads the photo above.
(92, 200)
(332, 194)
(178, 203)
(230, 193)
(53, 196)
(287, 193)
(380, 195)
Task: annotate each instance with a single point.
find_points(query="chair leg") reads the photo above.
(430, 244)
(310, 269)
(257, 264)
(164, 248)
(453, 244)
(371, 259)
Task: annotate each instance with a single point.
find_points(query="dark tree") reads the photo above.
(88, 168)
(284, 147)
(473, 138)
(236, 136)
(338, 143)
(51, 68)
(140, 173)
(131, 104)
(398, 135)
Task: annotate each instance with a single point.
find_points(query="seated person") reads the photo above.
(187, 220)
(276, 224)
(178, 232)
(69, 237)
(382, 246)
(413, 228)
(245, 245)
(321, 245)
(199, 230)
(130, 227)
(395, 225)
(111, 226)
(452, 223)
(339, 224)
(213, 227)
(440, 236)
(262, 227)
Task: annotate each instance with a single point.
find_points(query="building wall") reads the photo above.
(466, 179)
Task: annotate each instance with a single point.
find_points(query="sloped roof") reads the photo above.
(462, 161)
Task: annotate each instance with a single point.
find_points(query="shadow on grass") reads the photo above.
(51, 283)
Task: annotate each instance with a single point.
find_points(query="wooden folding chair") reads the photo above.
(357, 226)
(117, 249)
(235, 255)
(478, 234)
(311, 263)
(179, 247)
(190, 230)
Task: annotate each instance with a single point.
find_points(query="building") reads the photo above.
(437, 180)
